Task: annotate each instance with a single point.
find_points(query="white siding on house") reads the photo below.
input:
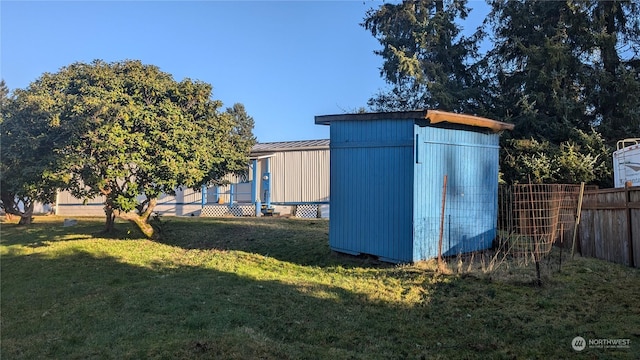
(299, 173)
(185, 202)
(300, 176)
(67, 205)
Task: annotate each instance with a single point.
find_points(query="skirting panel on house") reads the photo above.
(224, 210)
(307, 211)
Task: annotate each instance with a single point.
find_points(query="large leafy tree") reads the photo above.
(26, 159)
(129, 132)
(427, 62)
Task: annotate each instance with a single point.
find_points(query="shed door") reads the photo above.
(470, 162)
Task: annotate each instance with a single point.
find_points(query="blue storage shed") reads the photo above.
(387, 175)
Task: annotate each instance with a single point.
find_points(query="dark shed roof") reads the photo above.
(433, 116)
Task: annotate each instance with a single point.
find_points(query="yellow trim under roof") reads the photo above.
(437, 116)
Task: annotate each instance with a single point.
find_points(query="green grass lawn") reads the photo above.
(271, 288)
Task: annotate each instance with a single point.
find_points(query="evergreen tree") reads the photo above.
(538, 74)
(426, 60)
(560, 76)
(613, 53)
(241, 136)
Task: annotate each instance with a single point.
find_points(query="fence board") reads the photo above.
(586, 231)
(634, 199)
(610, 225)
(635, 238)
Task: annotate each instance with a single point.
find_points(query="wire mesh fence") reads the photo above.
(532, 217)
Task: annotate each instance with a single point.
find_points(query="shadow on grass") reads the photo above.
(80, 305)
(51, 229)
(76, 304)
(299, 241)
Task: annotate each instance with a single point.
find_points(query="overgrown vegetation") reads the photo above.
(272, 289)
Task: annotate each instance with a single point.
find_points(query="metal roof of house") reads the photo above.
(270, 147)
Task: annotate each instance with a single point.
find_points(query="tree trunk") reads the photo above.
(111, 219)
(27, 216)
(143, 224)
(142, 219)
(12, 207)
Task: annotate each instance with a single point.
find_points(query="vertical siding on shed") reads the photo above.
(371, 175)
(470, 161)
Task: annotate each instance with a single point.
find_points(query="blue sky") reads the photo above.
(285, 61)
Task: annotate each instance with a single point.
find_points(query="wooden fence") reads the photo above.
(609, 228)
